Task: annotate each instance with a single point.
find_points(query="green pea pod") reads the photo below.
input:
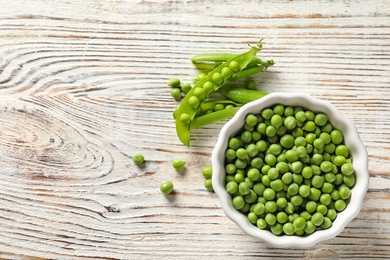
(213, 117)
(205, 62)
(205, 87)
(210, 104)
(241, 95)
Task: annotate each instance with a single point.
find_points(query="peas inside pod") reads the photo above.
(289, 171)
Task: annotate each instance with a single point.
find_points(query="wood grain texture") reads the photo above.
(83, 88)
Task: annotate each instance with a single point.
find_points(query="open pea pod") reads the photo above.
(215, 79)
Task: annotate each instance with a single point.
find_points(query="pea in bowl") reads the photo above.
(290, 169)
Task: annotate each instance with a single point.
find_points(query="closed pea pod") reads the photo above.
(186, 112)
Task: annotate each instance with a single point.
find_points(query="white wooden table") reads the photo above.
(83, 87)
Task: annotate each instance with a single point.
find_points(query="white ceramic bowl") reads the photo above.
(351, 139)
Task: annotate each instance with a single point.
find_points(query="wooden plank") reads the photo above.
(83, 88)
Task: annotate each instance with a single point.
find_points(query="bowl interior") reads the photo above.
(351, 139)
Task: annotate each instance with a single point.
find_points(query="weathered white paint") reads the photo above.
(83, 88)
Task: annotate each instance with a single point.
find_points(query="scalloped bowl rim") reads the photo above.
(351, 138)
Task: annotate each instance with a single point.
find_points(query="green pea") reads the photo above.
(300, 141)
(176, 94)
(329, 148)
(314, 194)
(251, 119)
(217, 78)
(297, 132)
(287, 178)
(270, 206)
(281, 202)
(340, 205)
(234, 143)
(269, 194)
(306, 215)
(292, 156)
(287, 141)
(250, 197)
(279, 109)
(277, 229)
(230, 168)
(178, 164)
(296, 167)
(275, 149)
(232, 187)
(327, 223)
(270, 219)
(270, 159)
(331, 214)
(276, 120)
(250, 84)
(239, 177)
(325, 199)
(194, 101)
(207, 172)
(270, 131)
(309, 126)
(281, 217)
(288, 229)
(185, 118)
(208, 184)
(254, 174)
(310, 137)
(293, 189)
(290, 122)
(290, 208)
(219, 107)
(299, 223)
(336, 136)
(296, 200)
(244, 188)
(297, 178)
(186, 88)
(227, 73)
(320, 119)
(138, 158)
(229, 178)
(347, 169)
(311, 206)
(238, 202)
(261, 223)
(326, 166)
(282, 167)
(230, 154)
(241, 153)
(345, 193)
(259, 209)
(317, 181)
(309, 115)
(300, 116)
(317, 159)
(174, 83)
(267, 113)
(259, 188)
(246, 136)
(304, 191)
(273, 173)
(257, 162)
(317, 219)
(234, 66)
(199, 93)
(310, 228)
(307, 172)
(166, 187)
(277, 185)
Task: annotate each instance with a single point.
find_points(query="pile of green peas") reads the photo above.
(289, 171)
